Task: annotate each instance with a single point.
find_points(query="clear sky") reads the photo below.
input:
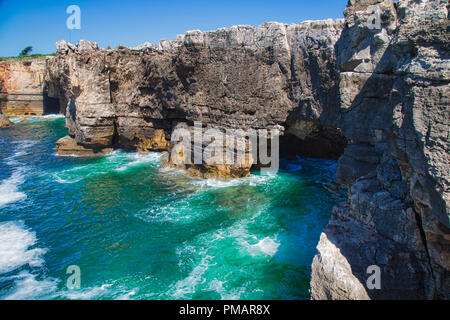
(40, 23)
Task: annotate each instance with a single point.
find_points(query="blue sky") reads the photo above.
(41, 23)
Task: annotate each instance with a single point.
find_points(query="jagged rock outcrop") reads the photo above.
(21, 87)
(4, 121)
(394, 89)
(384, 86)
(241, 77)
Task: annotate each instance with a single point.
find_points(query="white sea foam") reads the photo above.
(9, 188)
(171, 212)
(66, 181)
(187, 286)
(206, 246)
(52, 116)
(225, 294)
(138, 160)
(16, 250)
(170, 171)
(89, 293)
(25, 144)
(128, 295)
(20, 151)
(27, 286)
(112, 290)
(250, 242)
(61, 178)
(47, 117)
(117, 161)
(267, 246)
(252, 180)
(15, 120)
(66, 155)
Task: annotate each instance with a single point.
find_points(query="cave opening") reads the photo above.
(320, 142)
(50, 105)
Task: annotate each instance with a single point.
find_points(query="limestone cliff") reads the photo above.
(394, 89)
(241, 77)
(385, 88)
(21, 87)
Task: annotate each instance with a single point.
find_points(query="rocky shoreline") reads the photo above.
(372, 93)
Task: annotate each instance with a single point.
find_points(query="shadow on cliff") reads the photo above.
(51, 105)
(369, 120)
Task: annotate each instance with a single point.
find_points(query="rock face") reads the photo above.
(380, 78)
(21, 87)
(67, 146)
(241, 77)
(4, 121)
(394, 89)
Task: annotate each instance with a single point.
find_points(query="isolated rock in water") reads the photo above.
(4, 121)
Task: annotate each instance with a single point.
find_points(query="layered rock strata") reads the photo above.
(4, 121)
(238, 78)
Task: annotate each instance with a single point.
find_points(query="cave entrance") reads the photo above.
(311, 140)
(51, 105)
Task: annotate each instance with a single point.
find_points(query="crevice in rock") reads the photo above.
(423, 238)
(115, 138)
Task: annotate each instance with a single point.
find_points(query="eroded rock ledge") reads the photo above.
(385, 89)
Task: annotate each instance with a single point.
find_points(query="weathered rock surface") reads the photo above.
(67, 146)
(241, 77)
(385, 88)
(394, 89)
(21, 87)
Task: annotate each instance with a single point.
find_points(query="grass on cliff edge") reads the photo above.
(30, 56)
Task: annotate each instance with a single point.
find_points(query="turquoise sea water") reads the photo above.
(141, 232)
